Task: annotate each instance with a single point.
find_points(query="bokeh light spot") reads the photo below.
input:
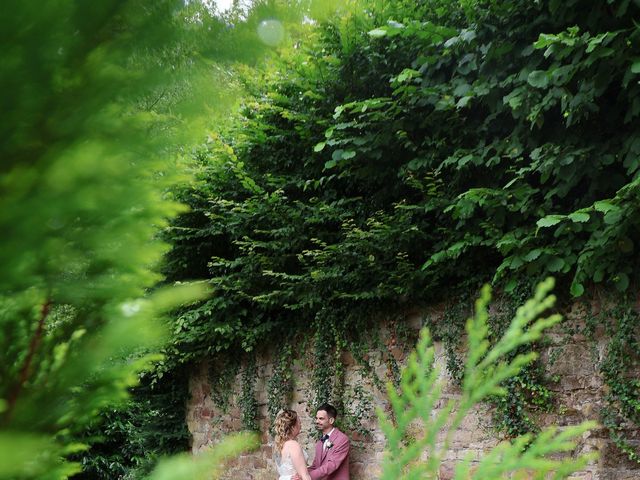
(271, 32)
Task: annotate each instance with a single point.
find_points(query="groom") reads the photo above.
(332, 449)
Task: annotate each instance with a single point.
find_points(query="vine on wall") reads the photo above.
(528, 392)
(324, 386)
(247, 402)
(358, 410)
(222, 370)
(280, 384)
(619, 367)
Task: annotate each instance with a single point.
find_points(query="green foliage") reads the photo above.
(485, 370)
(404, 148)
(357, 410)
(248, 403)
(536, 115)
(280, 384)
(127, 441)
(382, 161)
(323, 379)
(621, 357)
(222, 376)
(527, 393)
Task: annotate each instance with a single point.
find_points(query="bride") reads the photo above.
(292, 458)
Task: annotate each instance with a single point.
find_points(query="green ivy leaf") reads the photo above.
(577, 289)
(579, 217)
(532, 255)
(603, 206)
(612, 216)
(550, 220)
(407, 74)
(599, 275)
(621, 281)
(635, 67)
(595, 42)
(319, 147)
(463, 102)
(555, 264)
(538, 79)
(544, 40)
(510, 285)
(562, 75)
(330, 164)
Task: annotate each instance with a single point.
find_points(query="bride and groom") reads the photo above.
(331, 461)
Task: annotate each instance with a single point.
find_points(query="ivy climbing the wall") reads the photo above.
(280, 383)
(619, 368)
(222, 372)
(247, 401)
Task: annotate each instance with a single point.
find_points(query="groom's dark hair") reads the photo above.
(330, 409)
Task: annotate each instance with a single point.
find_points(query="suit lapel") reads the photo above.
(319, 453)
(332, 438)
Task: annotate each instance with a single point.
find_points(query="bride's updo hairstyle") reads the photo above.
(283, 427)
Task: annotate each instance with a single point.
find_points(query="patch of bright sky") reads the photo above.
(218, 5)
(222, 5)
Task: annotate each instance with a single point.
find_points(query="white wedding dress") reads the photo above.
(285, 466)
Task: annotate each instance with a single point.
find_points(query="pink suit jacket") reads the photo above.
(331, 463)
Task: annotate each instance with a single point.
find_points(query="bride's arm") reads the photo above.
(299, 462)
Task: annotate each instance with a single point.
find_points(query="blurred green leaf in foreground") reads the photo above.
(89, 136)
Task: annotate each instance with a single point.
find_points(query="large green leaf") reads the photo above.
(538, 79)
(550, 220)
(579, 217)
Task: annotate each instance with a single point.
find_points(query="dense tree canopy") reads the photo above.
(405, 151)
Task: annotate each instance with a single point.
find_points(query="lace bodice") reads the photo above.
(285, 466)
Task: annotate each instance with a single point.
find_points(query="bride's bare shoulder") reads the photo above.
(291, 446)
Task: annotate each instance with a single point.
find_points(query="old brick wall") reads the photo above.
(571, 357)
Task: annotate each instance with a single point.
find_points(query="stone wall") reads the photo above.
(571, 357)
